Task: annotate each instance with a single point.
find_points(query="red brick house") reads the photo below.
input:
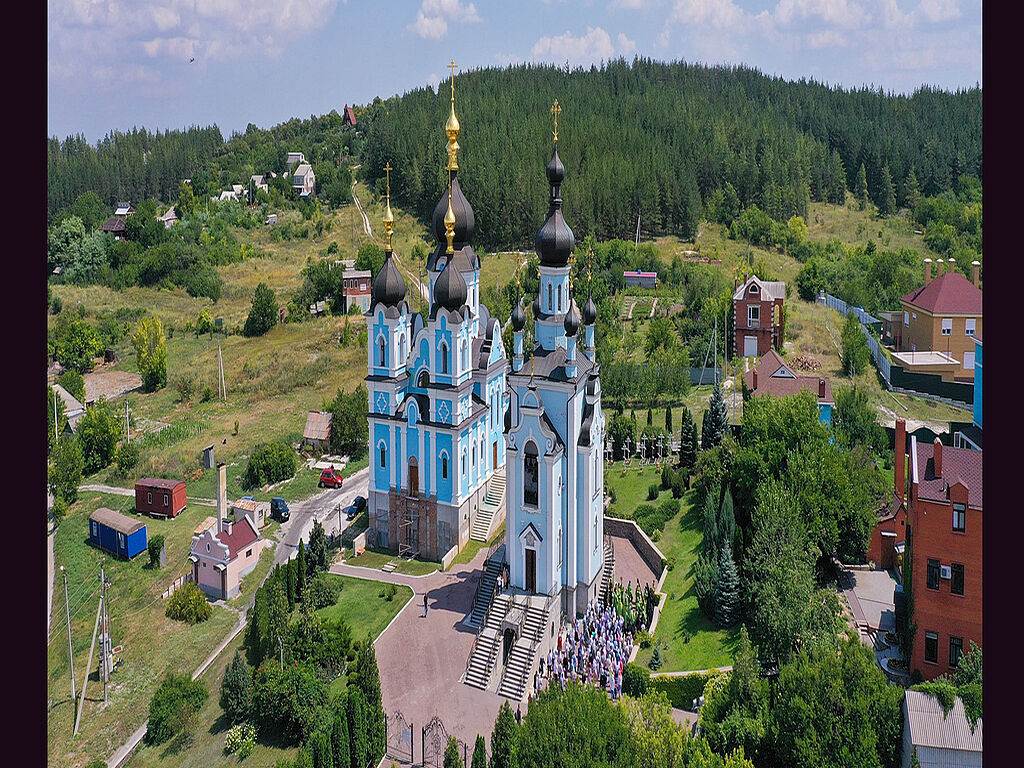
(890, 529)
(159, 497)
(945, 522)
(759, 316)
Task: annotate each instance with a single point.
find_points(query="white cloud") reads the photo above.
(939, 10)
(719, 14)
(827, 38)
(79, 33)
(433, 81)
(629, 5)
(840, 13)
(433, 17)
(596, 45)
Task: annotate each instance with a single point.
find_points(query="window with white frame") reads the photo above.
(753, 315)
(149, 497)
(968, 361)
(947, 326)
(906, 318)
(969, 325)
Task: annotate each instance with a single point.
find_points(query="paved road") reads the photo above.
(118, 491)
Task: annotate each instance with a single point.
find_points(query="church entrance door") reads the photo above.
(531, 570)
(509, 640)
(494, 454)
(414, 478)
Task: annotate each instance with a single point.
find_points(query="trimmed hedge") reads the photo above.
(683, 689)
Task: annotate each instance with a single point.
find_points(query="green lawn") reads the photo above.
(152, 644)
(252, 580)
(473, 548)
(708, 647)
(631, 488)
(374, 558)
(362, 606)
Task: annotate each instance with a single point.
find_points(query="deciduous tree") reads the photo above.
(150, 344)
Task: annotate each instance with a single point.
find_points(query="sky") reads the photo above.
(164, 64)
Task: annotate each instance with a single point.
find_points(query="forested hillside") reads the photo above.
(659, 139)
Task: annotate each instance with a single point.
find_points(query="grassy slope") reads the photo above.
(153, 644)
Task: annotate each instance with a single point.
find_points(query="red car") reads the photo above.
(330, 478)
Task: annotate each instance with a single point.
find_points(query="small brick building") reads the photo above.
(759, 316)
(945, 521)
(159, 497)
(890, 531)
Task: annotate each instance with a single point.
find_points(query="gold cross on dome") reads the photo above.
(556, 111)
(453, 66)
(387, 174)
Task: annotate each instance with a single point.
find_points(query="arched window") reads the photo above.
(530, 472)
(551, 305)
(474, 457)
(380, 345)
(559, 297)
(402, 358)
(423, 380)
(444, 467)
(595, 533)
(383, 455)
(463, 461)
(465, 357)
(559, 546)
(444, 357)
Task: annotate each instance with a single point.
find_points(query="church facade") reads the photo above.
(437, 390)
(555, 432)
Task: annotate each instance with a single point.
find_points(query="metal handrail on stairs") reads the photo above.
(480, 630)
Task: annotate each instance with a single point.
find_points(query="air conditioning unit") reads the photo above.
(945, 572)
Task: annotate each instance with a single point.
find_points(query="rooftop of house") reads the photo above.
(350, 115)
(931, 726)
(117, 521)
(958, 465)
(639, 274)
(72, 405)
(950, 293)
(776, 378)
(243, 533)
(159, 482)
(303, 169)
(890, 508)
(318, 425)
(770, 290)
(113, 224)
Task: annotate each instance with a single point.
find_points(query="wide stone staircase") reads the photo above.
(607, 570)
(524, 653)
(493, 503)
(485, 591)
(487, 645)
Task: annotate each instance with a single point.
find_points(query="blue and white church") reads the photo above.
(554, 431)
(437, 393)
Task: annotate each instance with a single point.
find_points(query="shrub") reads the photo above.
(127, 458)
(153, 547)
(652, 492)
(204, 324)
(188, 604)
(269, 463)
(186, 388)
(643, 638)
(682, 690)
(207, 394)
(656, 661)
(388, 592)
(323, 591)
(60, 509)
(74, 383)
(174, 707)
(240, 740)
(236, 690)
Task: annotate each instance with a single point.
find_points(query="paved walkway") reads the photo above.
(870, 594)
(629, 566)
(422, 660)
(117, 491)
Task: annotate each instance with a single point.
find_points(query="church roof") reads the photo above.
(551, 365)
(465, 221)
(555, 240)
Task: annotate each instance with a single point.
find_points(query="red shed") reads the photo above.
(163, 498)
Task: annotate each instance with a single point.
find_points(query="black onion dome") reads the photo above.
(555, 240)
(572, 319)
(450, 289)
(536, 306)
(555, 169)
(589, 311)
(518, 317)
(465, 222)
(389, 286)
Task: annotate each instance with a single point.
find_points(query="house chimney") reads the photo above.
(938, 457)
(755, 378)
(952, 264)
(927, 271)
(222, 496)
(900, 447)
(821, 388)
(976, 273)
(735, 283)
(939, 266)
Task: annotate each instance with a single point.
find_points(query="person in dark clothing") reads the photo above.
(519, 713)
(424, 605)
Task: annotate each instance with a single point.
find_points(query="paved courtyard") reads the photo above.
(873, 595)
(629, 566)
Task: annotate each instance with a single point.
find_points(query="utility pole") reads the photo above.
(221, 386)
(105, 641)
(88, 666)
(127, 429)
(71, 655)
(55, 434)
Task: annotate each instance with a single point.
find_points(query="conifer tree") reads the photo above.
(452, 758)
(862, 187)
(367, 679)
(887, 198)
(726, 520)
(709, 545)
(356, 728)
(716, 420)
(650, 418)
(320, 747)
(340, 750)
(479, 753)
(504, 739)
(668, 419)
(705, 582)
(289, 572)
(236, 690)
(300, 571)
(727, 594)
(911, 190)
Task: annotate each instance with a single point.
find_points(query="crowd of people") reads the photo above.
(635, 606)
(593, 649)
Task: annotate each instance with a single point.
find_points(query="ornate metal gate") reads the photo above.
(399, 737)
(435, 739)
